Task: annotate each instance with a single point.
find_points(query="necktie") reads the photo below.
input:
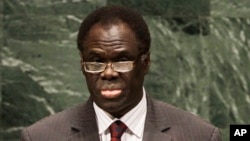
(116, 130)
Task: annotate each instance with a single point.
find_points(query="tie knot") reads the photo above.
(117, 128)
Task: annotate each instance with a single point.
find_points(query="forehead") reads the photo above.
(111, 31)
(111, 38)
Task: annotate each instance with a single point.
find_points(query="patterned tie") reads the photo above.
(116, 130)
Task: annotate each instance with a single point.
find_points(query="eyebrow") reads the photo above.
(95, 52)
(123, 53)
(115, 55)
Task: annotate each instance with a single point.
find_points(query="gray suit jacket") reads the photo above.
(163, 123)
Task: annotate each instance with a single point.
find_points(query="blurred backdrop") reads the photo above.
(200, 58)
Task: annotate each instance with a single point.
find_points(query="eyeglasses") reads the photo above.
(96, 67)
(122, 66)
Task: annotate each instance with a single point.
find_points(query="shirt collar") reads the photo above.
(134, 119)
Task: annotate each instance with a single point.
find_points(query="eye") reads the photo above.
(124, 58)
(96, 59)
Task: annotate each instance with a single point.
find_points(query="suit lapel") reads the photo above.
(151, 133)
(156, 124)
(84, 126)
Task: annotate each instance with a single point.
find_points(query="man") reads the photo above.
(114, 47)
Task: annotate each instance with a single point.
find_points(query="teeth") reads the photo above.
(110, 93)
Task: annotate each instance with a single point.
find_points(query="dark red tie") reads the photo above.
(116, 130)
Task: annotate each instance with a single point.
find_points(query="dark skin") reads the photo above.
(115, 92)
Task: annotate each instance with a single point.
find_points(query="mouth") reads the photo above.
(111, 93)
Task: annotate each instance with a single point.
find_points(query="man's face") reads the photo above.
(114, 92)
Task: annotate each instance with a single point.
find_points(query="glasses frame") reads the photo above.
(142, 56)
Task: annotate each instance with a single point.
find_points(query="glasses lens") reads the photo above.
(123, 66)
(94, 67)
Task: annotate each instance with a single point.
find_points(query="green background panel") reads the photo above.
(200, 56)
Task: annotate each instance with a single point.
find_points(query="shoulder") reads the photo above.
(63, 117)
(57, 125)
(182, 123)
(174, 113)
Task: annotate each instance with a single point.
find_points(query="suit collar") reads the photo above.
(156, 124)
(84, 126)
(156, 115)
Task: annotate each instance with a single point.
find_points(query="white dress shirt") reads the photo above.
(134, 120)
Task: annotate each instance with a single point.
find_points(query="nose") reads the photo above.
(109, 73)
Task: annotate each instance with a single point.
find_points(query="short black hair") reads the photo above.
(111, 15)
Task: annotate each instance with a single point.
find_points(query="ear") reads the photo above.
(146, 62)
(81, 62)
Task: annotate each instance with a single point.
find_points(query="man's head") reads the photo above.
(114, 46)
(111, 15)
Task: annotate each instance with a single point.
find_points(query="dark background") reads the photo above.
(200, 58)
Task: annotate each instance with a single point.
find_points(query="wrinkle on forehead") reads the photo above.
(108, 43)
(111, 53)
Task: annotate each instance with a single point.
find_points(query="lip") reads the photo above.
(111, 93)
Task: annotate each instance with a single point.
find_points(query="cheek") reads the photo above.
(136, 78)
(139, 72)
(91, 81)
